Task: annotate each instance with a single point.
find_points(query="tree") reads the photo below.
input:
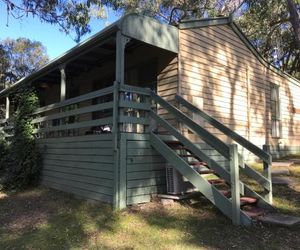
(269, 26)
(294, 19)
(173, 11)
(73, 15)
(273, 26)
(19, 58)
(4, 65)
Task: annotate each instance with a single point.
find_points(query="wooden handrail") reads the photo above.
(88, 109)
(209, 138)
(134, 89)
(227, 131)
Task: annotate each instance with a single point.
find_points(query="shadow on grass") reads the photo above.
(205, 227)
(46, 219)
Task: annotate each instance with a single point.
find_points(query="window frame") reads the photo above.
(276, 118)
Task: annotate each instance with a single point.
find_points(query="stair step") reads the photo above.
(206, 171)
(173, 142)
(247, 200)
(280, 219)
(177, 147)
(186, 155)
(217, 181)
(254, 211)
(197, 163)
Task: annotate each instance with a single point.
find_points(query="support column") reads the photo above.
(119, 195)
(235, 184)
(63, 87)
(7, 105)
(121, 42)
(63, 82)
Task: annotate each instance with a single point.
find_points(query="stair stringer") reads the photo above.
(222, 171)
(208, 190)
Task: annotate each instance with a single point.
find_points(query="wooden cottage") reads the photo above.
(142, 107)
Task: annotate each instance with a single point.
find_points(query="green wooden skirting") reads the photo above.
(80, 165)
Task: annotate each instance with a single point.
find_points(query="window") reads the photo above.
(275, 112)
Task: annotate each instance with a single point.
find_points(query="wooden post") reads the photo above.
(63, 82)
(235, 184)
(7, 104)
(63, 86)
(120, 77)
(268, 175)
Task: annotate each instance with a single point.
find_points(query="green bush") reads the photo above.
(3, 153)
(22, 161)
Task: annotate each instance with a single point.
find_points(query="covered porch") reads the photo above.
(94, 103)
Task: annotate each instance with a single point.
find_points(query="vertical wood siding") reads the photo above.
(167, 84)
(235, 87)
(80, 165)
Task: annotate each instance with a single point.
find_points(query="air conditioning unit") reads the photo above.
(176, 183)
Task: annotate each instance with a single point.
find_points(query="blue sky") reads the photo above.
(55, 41)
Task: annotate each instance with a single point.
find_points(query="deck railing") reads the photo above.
(92, 113)
(86, 114)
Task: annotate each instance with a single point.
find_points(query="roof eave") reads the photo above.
(134, 26)
(199, 23)
(65, 57)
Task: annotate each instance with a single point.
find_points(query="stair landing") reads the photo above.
(280, 219)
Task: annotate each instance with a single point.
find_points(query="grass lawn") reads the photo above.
(45, 219)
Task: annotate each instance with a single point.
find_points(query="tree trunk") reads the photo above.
(294, 19)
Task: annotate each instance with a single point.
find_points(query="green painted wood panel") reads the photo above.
(82, 185)
(78, 145)
(145, 174)
(80, 158)
(145, 159)
(79, 171)
(145, 169)
(145, 190)
(80, 165)
(87, 165)
(78, 192)
(86, 151)
(78, 178)
(131, 200)
(159, 180)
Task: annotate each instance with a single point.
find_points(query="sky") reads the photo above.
(55, 41)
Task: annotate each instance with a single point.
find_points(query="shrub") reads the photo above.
(22, 162)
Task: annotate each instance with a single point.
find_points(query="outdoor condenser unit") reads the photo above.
(176, 182)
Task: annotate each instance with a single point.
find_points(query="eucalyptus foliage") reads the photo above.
(269, 26)
(19, 58)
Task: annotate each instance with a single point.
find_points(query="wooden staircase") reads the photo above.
(221, 186)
